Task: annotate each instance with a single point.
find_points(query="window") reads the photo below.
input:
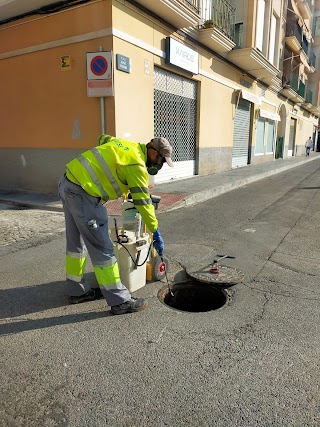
(273, 38)
(260, 24)
(270, 137)
(317, 26)
(264, 137)
(238, 34)
(259, 148)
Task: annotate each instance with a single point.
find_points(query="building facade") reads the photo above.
(229, 83)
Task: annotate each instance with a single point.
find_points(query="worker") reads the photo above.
(107, 172)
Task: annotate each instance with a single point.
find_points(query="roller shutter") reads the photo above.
(241, 134)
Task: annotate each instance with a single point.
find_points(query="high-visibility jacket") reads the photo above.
(113, 169)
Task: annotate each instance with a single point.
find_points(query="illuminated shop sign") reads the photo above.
(181, 56)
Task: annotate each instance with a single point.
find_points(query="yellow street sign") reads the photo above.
(65, 63)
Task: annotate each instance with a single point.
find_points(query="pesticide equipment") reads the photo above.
(137, 258)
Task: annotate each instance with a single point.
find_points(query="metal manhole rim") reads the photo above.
(164, 291)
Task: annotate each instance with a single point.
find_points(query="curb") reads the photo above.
(189, 200)
(226, 188)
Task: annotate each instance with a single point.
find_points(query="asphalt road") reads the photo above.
(254, 362)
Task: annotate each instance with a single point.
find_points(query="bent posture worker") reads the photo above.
(107, 172)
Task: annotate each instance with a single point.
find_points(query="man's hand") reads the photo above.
(158, 242)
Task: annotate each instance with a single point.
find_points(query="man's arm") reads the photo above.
(138, 180)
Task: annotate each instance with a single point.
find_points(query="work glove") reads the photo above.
(158, 242)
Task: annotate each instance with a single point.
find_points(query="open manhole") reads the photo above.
(193, 296)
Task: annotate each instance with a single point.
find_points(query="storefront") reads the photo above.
(175, 116)
(175, 109)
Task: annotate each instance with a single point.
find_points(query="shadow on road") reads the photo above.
(24, 300)
(16, 327)
(27, 300)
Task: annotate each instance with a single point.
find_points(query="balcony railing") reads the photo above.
(193, 4)
(293, 29)
(222, 15)
(292, 81)
(309, 97)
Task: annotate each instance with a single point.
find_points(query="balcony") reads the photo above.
(179, 13)
(291, 87)
(253, 61)
(305, 8)
(314, 109)
(293, 35)
(218, 32)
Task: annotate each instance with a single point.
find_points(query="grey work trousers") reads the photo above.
(79, 208)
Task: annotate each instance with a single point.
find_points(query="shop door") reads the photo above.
(292, 134)
(241, 134)
(279, 148)
(175, 118)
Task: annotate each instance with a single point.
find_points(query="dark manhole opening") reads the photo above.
(193, 296)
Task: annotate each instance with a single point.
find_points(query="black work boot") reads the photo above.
(131, 306)
(89, 296)
(97, 293)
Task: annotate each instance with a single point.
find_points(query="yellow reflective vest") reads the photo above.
(113, 169)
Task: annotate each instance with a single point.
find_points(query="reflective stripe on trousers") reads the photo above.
(79, 208)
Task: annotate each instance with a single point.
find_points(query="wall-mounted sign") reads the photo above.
(65, 63)
(123, 63)
(251, 97)
(181, 56)
(99, 88)
(245, 83)
(271, 116)
(99, 74)
(99, 65)
(147, 66)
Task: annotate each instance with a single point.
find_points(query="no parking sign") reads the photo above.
(99, 67)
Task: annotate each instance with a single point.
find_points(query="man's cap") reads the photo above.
(164, 148)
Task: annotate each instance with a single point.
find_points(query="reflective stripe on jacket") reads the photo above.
(111, 170)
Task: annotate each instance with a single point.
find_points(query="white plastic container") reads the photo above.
(133, 278)
(128, 215)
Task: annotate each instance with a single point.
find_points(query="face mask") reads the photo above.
(153, 169)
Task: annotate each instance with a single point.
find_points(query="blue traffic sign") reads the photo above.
(99, 65)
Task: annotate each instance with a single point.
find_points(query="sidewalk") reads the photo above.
(175, 194)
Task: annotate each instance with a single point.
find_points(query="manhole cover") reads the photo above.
(193, 296)
(226, 275)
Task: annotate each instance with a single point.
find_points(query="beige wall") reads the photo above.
(40, 104)
(134, 94)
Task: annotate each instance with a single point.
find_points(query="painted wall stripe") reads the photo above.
(50, 45)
